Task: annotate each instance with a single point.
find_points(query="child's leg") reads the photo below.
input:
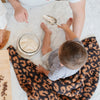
(47, 39)
(69, 23)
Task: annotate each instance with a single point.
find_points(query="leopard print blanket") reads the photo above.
(80, 86)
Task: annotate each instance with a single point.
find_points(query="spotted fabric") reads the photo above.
(80, 86)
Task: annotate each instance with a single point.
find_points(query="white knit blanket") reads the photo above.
(62, 12)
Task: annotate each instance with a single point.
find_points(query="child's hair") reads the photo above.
(72, 54)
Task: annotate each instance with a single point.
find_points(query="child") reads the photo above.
(4, 34)
(68, 59)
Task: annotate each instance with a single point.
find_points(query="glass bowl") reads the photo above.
(27, 45)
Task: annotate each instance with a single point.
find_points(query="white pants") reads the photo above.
(3, 20)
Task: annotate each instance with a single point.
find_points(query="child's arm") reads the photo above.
(78, 10)
(68, 33)
(21, 14)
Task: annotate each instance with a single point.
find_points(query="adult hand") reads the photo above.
(21, 14)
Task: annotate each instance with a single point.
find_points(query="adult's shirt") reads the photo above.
(40, 2)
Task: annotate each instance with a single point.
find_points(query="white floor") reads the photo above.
(62, 12)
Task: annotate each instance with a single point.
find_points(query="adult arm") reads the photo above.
(15, 3)
(78, 10)
(21, 14)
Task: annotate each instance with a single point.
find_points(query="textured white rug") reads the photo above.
(62, 12)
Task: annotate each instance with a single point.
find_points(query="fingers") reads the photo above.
(70, 19)
(26, 17)
(69, 22)
(22, 17)
(60, 26)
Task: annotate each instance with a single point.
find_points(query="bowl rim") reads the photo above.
(30, 34)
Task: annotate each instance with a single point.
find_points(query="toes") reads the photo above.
(43, 26)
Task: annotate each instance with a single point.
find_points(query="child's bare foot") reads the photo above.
(45, 28)
(69, 22)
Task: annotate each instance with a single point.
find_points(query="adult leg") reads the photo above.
(78, 10)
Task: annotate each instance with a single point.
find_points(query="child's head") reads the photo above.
(72, 55)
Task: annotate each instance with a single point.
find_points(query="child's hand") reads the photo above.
(40, 69)
(66, 26)
(63, 26)
(21, 14)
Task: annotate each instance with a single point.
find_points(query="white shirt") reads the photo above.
(3, 21)
(34, 2)
(40, 2)
(73, 1)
